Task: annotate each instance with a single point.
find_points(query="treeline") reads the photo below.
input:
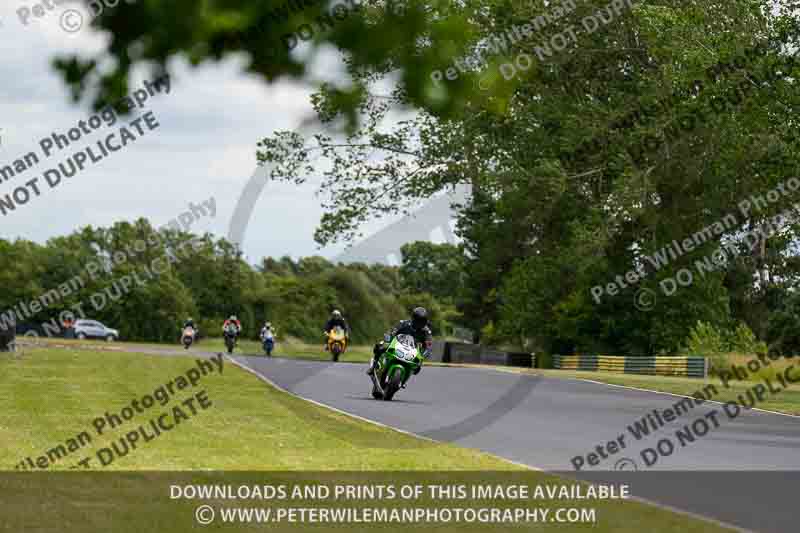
(146, 283)
(635, 193)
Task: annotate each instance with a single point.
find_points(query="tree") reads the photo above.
(146, 285)
(783, 330)
(150, 34)
(433, 268)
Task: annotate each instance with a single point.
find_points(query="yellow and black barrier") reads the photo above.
(696, 367)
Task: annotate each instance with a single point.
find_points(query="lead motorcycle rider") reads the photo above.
(416, 327)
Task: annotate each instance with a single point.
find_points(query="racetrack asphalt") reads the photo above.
(742, 471)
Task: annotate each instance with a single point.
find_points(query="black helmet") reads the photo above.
(419, 317)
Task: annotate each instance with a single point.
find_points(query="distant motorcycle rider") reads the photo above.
(189, 324)
(335, 320)
(268, 328)
(416, 327)
(232, 321)
(268, 338)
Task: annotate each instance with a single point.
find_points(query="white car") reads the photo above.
(92, 329)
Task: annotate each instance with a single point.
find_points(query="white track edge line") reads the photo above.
(665, 507)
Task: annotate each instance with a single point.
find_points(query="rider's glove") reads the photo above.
(387, 338)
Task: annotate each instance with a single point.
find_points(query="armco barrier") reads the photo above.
(437, 351)
(456, 352)
(464, 353)
(696, 367)
(496, 357)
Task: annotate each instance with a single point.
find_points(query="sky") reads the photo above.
(204, 146)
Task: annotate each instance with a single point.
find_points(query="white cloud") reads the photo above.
(205, 145)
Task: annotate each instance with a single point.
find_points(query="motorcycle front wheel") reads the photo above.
(393, 385)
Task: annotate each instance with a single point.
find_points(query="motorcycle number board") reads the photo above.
(405, 347)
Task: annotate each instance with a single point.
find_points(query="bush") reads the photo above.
(743, 340)
(544, 360)
(719, 344)
(708, 341)
(489, 335)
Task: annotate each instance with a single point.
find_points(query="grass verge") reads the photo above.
(291, 348)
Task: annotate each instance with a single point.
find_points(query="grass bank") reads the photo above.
(291, 348)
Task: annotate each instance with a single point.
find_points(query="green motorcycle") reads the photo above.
(400, 360)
